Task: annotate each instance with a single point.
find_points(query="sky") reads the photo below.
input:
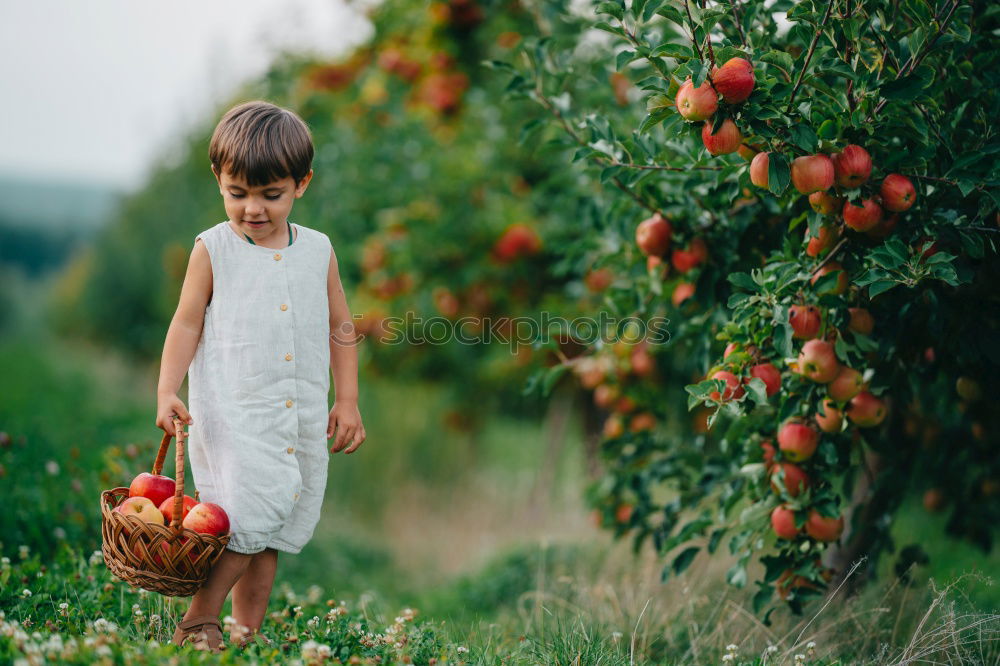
(95, 91)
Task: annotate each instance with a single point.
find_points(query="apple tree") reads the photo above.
(809, 193)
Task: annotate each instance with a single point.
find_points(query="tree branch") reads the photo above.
(809, 55)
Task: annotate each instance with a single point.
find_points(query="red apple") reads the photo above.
(866, 410)
(783, 522)
(613, 427)
(821, 528)
(832, 419)
(898, 193)
(851, 166)
(846, 384)
(768, 455)
(732, 389)
(207, 518)
(653, 235)
(167, 508)
(758, 170)
(642, 361)
(625, 404)
(795, 479)
(861, 321)
(797, 440)
(770, 375)
(813, 173)
(825, 203)
(863, 217)
(686, 259)
(696, 103)
(142, 508)
(830, 267)
(726, 140)
(606, 395)
(730, 348)
(823, 241)
(804, 320)
(682, 292)
(641, 422)
(934, 500)
(734, 80)
(598, 279)
(155, 487)
(518, 240)
(818, 361)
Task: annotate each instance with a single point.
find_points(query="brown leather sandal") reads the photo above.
(204, 632)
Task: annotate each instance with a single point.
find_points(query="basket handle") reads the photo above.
(175, 522)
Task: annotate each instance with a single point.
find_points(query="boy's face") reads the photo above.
(260, 212)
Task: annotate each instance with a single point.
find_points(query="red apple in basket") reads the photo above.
(207, 518)
(156, 487)
(167, 508)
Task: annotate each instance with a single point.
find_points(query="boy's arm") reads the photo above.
(182, 338)
(345, 419)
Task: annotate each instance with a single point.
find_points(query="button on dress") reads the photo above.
(258, 388)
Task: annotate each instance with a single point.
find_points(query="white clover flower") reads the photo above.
(309, 650)
(138, 613)
(313, 622)
(59, 533)
(96, 558)
(103, 650)
(135, 607)
(771, 649)
(726, 658)
(154, 619)
(5, 562)
(324, 651)
(25, 593)
(616, 635)
(811, 645)
(143, 592)
(228, 622)
(296, 610)
(23, 551)
(461, 648)
(731, 648)
(52, 467)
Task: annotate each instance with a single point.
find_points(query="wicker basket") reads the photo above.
(171, 560)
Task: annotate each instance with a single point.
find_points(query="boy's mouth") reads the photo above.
(257, 225)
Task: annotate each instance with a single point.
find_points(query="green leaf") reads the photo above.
(684, 560)
(778, 173)
(737, 575)
(744, 281)
(654, 119)
(828, 130)
(757, 390)
(908, 87)
(675, 51)
(803, 136)
(613, 8)
(623, 58)
(552, 377)
(651, 8)
(779, 58)
(880, 287)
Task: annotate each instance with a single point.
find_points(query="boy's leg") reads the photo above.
(208, 600)
(253, 590)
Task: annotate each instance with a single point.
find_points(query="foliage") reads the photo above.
(914, 85)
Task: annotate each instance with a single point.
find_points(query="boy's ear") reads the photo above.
(300, 188)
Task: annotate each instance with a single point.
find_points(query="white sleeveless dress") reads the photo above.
(258, 388)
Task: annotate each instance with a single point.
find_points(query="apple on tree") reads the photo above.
(696, 104)
(825, 203)
(898, 193)
(653, 235)
(734, 80)
(768, 374)
(812, 173)
(830, 267)
(825, 529)
(758, 170)
(726, 140)
(694, 254)
(863, 217)
(845, 385)
(804, 320)
(851, 166)
(829, 418)
(866, 410)
(818, 361)
(861, 321)
(783, 522)
(733, 389)
(797, 440)
(795, 479)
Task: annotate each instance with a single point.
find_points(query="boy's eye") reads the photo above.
(269, 197)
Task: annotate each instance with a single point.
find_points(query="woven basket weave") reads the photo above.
(171, 560)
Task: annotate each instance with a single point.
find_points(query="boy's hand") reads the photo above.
(167, 405)
(345, 420)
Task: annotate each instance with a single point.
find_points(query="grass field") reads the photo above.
(495, 556)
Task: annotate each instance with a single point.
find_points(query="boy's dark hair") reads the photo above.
(261, 143)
